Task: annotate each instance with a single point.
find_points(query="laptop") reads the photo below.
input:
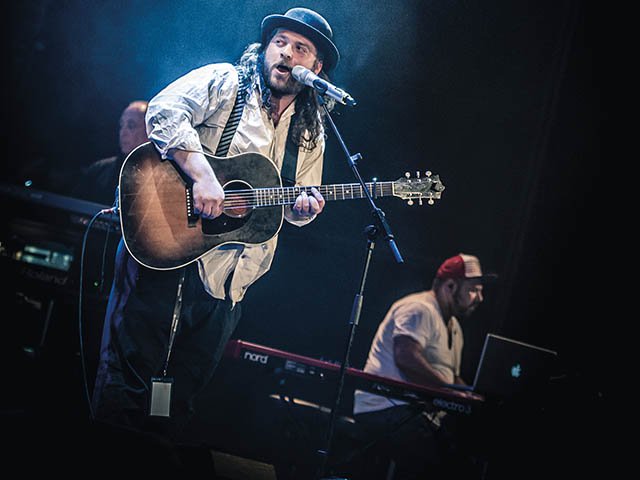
(510, 368)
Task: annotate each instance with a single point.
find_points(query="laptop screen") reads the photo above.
(510, 368)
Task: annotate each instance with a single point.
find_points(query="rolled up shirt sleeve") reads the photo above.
(189, 101)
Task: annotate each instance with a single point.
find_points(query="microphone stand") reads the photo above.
(380, 227)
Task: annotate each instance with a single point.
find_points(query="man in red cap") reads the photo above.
(420, 341)
(221, 109)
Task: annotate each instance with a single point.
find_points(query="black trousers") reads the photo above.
(136, 339)
(419, 448)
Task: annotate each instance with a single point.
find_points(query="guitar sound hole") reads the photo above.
(239, 199)
(238, 205)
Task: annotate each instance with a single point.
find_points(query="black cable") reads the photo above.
(103, 261)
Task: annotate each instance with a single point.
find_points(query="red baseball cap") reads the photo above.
(462, 266)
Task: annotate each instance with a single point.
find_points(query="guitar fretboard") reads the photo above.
(268, 197)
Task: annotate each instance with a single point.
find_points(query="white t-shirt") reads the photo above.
(418, 316)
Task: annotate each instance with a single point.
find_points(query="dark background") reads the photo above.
(500, 98)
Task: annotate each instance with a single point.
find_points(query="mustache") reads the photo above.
(283, 65)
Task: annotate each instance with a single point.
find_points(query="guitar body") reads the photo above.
(156, 214)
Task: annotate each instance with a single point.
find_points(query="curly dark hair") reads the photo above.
(309, 124)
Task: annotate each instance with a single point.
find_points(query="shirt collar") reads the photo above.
(260, 87)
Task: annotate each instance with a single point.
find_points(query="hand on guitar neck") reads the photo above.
(307, 206)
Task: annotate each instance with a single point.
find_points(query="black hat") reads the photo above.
(310, 24)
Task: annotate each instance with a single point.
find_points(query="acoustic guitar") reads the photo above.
(161, 230)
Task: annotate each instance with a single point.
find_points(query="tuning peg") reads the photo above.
(407, 174)
(420, 200)
(417, 173)
(431, 202)
(428, 173)
(410, 202)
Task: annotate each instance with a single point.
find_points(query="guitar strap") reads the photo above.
(234, 118)
(290, 160)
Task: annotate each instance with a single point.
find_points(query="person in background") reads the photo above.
(99, 180)
(420, 340)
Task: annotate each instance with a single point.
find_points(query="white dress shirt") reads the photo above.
(190, 114)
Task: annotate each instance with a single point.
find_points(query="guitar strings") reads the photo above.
(287, 195)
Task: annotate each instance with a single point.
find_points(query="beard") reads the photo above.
(277, 85)
(461, 311)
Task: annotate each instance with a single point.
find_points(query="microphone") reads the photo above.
(310, 79)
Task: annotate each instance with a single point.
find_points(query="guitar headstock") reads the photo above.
(427, 187)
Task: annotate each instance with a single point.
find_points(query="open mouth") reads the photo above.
(283, 69)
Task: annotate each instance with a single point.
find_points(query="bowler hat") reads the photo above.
(310, 24)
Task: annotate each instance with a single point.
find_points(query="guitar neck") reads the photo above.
(268, 197)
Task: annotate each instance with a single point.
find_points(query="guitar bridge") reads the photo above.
(192, 217)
